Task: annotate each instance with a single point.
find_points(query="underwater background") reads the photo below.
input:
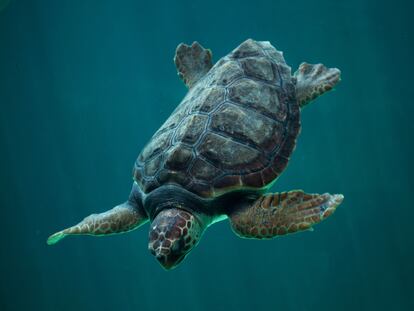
(85, 84)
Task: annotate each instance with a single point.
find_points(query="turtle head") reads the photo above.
(173, 234)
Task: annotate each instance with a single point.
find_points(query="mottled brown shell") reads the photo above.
(235, 129)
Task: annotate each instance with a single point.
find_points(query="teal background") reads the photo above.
(84, 84)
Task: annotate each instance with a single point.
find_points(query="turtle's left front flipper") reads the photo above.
(122, 218)
(281, 213)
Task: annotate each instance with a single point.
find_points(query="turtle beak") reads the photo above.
(170, 261)
(167, 256)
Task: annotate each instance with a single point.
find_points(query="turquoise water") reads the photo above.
(84, 84)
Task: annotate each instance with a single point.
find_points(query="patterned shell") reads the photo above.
(235, 129)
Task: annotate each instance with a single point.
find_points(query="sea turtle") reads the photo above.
(219, 151)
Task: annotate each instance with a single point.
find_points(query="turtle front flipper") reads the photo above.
(192, 62)
(122, 218)
(314, 80)
(281, 213)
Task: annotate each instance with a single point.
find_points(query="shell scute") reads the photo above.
(224, 74)
(253, 180)
(171, 176)
(258, 67)
(247, 126)
(178, 157)
(262, 97)
(229, 181)
(203, 189)
(151, 167)
(191, 129)
(226, 153)
(246, 49)
(208, 99)
(268, 175)
(202, 170)
(159, 143)
(279, 164)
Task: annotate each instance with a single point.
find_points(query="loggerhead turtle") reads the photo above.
(219, 151)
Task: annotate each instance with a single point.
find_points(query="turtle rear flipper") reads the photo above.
(282, 213)
(192, 62)
(313, 81)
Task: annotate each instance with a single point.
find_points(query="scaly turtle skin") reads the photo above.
(222, 147)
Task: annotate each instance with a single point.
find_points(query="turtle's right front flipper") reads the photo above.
(122, 218)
